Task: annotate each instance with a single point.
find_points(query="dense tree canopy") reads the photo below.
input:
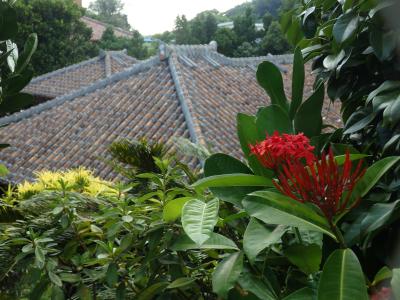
(62, 38)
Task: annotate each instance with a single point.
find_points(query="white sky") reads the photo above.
(157, 16)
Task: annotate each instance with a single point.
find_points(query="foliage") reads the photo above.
(62, 38)
(274, 41)
(110, 12)
(135, 45)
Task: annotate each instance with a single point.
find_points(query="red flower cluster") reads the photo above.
(277, 149)
(304, 178)
(323, 183)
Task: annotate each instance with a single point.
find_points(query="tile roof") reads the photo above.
(79, 75)
(186, 91)
(99, 27)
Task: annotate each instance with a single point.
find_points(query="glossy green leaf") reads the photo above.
(219, 164)
(383, 274)
(373, 174)
(308, 118)
(270, 119)
(199, 219)
(257, 237)
(153, 290)
(57, 293)
(216, 241)
(3, 170)
(173, 209)
(275, 208)
(332, 61)
(181, 282)
(306, 257)
(270, 78)
(26, 55)
(383, 43)
(386, 86)
(361, 124)
(297, 82)
(301, 294)
(227, 273)
(395, 283)
(112, 274)
(251, 283)
(342, 278)
(345, 27)
(248, 135)
(233, 180)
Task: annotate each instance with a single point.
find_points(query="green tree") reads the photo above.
(246, 49)
(182, 30)
(274, 41)
(110, 12)
(204, 26)
(134, 45)
(244, 27)
(63, 38)
(226, 40)
(267, 20)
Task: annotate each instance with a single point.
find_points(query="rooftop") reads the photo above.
(185, 91)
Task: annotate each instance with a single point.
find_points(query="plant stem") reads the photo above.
(298, 235)
(338, 235)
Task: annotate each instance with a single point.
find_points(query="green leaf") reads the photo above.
(270, 119)
(173, 209)
(233, 180)
(84, 293)
(216, 241)
(126, 242)
(55, 279)
(29, 49)
(40, 258)
(308, 118)
(181, 282)
(361, 124)
(342, 278)
(306, 257)
(3, 170)
(383, 43)
(251, 283)
(120, 293)
(395, 282)
(199, 219)
(227, 273)
(57, 293)
(70, 277)
(372, 176)
(153, 290)
(345, 27)
(248, 135)
(383, 274)
(301, 294)
(331, 61)
(219, 164)
(377, 217)
(112, 274)
(8, 22)
(297, 82)
(257, 237)
(274, 208)
(386, 86)
(15, 102)
(270, 78)
(340, 159)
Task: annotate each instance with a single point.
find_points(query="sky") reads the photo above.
(157, 16)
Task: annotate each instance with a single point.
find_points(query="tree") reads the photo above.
(226, 40)
(62, 38)
(204, 26)
(110, 12)
(244, 27)
(267, 20)
(134, 45)
(274, 41)
(182, 30)
(246, 49)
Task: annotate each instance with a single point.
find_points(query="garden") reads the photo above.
(310, 212)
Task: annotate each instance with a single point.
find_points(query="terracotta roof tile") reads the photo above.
(194, 93)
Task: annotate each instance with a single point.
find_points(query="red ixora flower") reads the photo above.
(276, 149)
(323, 183)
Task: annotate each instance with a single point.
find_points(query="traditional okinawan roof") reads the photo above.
(79, 75)
(185, 91)
(99, 27)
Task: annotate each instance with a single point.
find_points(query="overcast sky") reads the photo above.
(156, 16)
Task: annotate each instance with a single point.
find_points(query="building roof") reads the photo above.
(99, 27)
(79, 75)
(186, 91)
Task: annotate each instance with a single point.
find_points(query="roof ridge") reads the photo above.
(185, 101)
(134, 69)
(65, 69)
